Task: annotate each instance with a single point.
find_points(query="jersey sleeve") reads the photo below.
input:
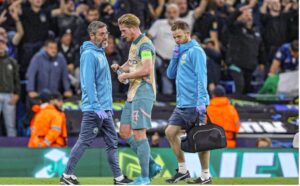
(146, 51)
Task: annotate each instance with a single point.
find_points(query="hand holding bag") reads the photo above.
(203, 137)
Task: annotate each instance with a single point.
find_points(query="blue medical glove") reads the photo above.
(101, 114)
(201, 109)
(176, 52)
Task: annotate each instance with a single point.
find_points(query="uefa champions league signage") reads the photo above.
(225, 163)
(249, 165)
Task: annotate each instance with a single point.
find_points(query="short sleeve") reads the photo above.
(146, 49)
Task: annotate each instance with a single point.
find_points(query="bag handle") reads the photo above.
(196, 123)
(208, 118)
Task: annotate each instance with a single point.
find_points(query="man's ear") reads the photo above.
(92, 36)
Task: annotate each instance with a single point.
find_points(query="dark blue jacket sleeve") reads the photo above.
(280, 54)
(65, 78)
(31, 73)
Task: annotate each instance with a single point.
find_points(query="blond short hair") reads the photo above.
(129, 20)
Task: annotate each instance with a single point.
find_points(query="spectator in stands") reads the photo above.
(68, 20)
(69, 50)
(48, 70)
(156, 8)
(9, 88)
(138, 8)
(224, 9)
(6, 19)
(214, 62)
(161, 34)
(293, 22)
(222, 113)
(50, 4)
(71, 53)
(244, 49)
(14, 36)
(36, 21)
(81, 34)
(206, 26)
(255, 8)
(82, 9)
(189, 16)
(263, 142)
(286, 58)
(48, 126)
(95, 3)
(113, 57)
(108, 16)
(275, 24)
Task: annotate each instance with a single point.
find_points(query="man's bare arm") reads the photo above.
(145, 70)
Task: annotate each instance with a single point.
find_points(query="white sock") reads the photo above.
(205, 174)
(182, 168)
(120, 178)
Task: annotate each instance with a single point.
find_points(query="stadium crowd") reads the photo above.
(245, 41)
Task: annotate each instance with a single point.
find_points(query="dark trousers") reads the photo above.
(242, 80)
(90, 126)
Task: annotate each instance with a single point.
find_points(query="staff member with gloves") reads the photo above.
(188, 67)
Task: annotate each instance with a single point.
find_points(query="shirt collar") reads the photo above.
(138, 39)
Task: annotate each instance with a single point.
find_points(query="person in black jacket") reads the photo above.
(81, 34)
(139, 8)
(68, 20)
(213, 62)
(244, 49)
(70, 51)
(9, 88)
(277, 24)
(36, 21)
(108, 16)
(48, 70)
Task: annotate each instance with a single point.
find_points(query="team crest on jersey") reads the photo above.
(183, 59)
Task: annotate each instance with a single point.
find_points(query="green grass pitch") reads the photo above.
(156, 181)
